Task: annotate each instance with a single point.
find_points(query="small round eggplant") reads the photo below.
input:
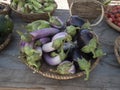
(75, 21)
(83, 37)
(66, 67)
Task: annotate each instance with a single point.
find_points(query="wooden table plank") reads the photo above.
(9, 88)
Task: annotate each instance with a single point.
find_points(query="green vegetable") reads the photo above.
(29, 51)
(106, 2)
(6, 25)
(35, 3)
(20, 5)
(54, 20)
(64, 68)
(35, 64)
(71, 30)
(93, 47)
(14, 3)
(33, 56)
(39, 24)
(62, 54)
(98, 53)
(84, 65)
(53, 54)
(50, 7)
(25, 36)
(57, 43)
(86, 26)
(33, 6)
(49, 1)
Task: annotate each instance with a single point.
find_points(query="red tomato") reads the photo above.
(110, 19)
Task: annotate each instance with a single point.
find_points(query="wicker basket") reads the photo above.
(117, 48)
(47, 71)
(112, 24)
(6, 42)
(107, 9)
(34, 16)
(88, 10)
(6, 9)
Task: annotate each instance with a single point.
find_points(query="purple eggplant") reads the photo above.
(69, 45)
(83, 37)
(42, 41)
(52, 60)
(66, 67)
(59, 35)
(39, 50)
(75, 21)
(76, 54)
(22, 44)
(48, 47)
(53, 45)
(43, 33)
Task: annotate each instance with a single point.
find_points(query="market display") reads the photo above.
(31, 10)
(113, 15)
(60, 49)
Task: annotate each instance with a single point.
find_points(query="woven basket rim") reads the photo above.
(117, 48)
(114, 26)
(62, 77)
(58, 76)
(27, 14)
(95, 1)
(6, 42)
(7, 8)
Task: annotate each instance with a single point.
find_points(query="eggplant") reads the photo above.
(88, 44)
(59, 35)
(48, 47)
(83, 37)
(43, 33)
(52, 60)
(42, 41)
(73, 56)
(76, 54)
(23, 44)
(68, 45)
(66, 67)
(75, 21)
(55, 22)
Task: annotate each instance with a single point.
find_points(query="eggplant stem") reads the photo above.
(87, 72)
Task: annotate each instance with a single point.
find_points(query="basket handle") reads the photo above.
(102, 13)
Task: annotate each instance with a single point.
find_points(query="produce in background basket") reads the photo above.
(113, 15)
(4, 9)
(6, 27)
(63, 53)
(33, 6)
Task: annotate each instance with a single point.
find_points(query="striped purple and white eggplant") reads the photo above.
(43, 33)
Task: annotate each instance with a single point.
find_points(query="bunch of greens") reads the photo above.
(33, 6)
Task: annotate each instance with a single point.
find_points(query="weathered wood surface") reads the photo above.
(106, 76)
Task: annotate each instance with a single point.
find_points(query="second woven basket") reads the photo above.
(88, 9)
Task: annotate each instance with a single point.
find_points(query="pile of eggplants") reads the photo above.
(67, 46)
